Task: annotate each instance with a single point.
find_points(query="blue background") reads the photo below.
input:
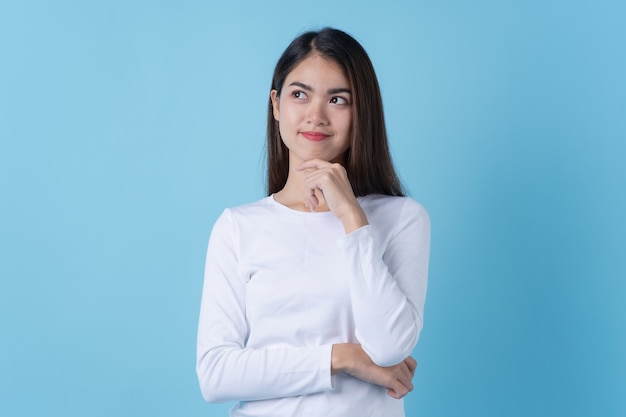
(127, 126)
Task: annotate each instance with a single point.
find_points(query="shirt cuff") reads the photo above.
(328, 379)
(355, 236)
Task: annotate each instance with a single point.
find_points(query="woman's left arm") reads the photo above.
(387, 282)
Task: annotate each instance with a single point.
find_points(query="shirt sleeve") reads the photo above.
(388, 283)
(226, 369)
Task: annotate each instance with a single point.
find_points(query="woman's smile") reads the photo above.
(315, 136)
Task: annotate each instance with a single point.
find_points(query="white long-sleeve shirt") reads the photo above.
(282, 286)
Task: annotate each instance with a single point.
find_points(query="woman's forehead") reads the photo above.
(318, 69)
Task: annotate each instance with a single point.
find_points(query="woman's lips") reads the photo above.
(315, 136)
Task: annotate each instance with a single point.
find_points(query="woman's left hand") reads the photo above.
(332, 181)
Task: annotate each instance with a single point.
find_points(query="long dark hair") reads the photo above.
(367, 160)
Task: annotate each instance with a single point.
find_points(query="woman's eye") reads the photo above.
(338, 100)
(299, 94)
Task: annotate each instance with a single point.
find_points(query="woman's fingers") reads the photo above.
(411, 364)
(313, 163)
(407, 375)
(403, 383)
(406, 378)
(310, 199)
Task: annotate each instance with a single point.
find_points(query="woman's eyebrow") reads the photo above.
(330, 91)
(339, 90)
(301, 85)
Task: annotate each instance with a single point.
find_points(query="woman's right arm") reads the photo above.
(351, 359)
(226, 369)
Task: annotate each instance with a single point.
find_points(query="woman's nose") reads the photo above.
(316, 114)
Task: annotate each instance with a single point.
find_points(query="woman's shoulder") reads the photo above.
(388, 215)
(388, 205)
(253, 211)
(237, 218)
(254, 207)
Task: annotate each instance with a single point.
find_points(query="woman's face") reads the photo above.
(314, 111)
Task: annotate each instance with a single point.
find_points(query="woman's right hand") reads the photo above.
(352, 359)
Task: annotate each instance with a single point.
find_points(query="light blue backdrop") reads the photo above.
(127, 126)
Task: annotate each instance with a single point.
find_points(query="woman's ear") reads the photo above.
(275, 104)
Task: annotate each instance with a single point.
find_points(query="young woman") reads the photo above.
(313, 296)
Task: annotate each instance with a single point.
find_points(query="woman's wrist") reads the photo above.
(340, 358)
(353, 219)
